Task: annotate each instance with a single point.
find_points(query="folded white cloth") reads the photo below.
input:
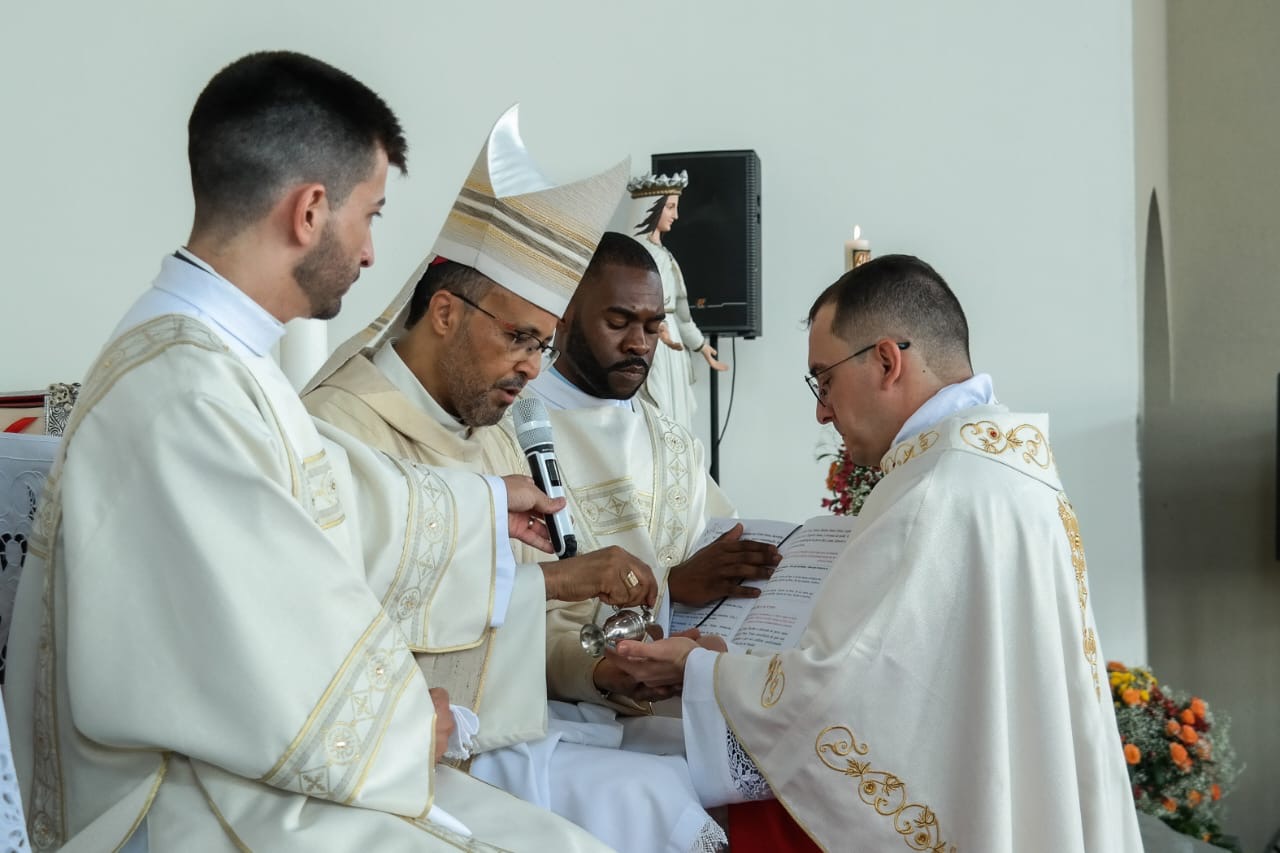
(465, 726)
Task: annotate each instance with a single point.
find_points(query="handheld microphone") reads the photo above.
(533, 432)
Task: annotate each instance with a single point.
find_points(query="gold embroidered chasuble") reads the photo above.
(493, 677)
(207, 646)
(949, 693)
(636, 479)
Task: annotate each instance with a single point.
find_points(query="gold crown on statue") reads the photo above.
(650, 184)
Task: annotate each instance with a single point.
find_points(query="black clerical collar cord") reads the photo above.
(187, 260)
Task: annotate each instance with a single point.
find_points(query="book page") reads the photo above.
(729, 614)
(780, 615)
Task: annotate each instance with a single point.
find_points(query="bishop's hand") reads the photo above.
(610, 574)
(444, 720)
(527, 508)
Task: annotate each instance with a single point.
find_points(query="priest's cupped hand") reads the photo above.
(661, 663)
(610, 677)
(610, 574)
(527, 508)
(719, 569)
(444, 720)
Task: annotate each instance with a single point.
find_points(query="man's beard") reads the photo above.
(594, 374)
(468, 389)
(325, 275)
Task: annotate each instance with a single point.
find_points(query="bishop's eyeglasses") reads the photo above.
(820, 389)
(522, 344)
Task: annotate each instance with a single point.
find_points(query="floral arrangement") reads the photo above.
(848, 483)
(1180, 759)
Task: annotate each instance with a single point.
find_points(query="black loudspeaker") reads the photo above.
(716, 240)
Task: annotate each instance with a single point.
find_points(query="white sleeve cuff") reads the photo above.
(505, 568)
(705, 732)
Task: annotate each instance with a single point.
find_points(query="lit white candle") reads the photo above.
(856, 251)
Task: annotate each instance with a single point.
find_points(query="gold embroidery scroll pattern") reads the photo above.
(987, 437)
(46, 818)
(322, 491)
(329, 757)
(908, 450)
(433, 533)
(1071, 524)
(884, 792)
(775, 681)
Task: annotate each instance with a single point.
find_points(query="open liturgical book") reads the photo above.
(779, 616)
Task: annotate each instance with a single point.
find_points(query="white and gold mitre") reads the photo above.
(649, 184)
(512, 224)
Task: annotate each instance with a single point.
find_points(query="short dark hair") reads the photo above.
(652, 215)
(450, 276)
(275, 118)
(901, 296)
(623, 251)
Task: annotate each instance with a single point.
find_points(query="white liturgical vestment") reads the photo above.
(216, 633)
(635, 801)
(949, 693)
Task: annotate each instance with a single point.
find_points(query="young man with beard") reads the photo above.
(214, 641)
(949, 692)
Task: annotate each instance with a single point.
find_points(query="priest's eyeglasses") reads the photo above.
(820, 389)
(523, 344)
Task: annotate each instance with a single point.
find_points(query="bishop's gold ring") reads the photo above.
(632, 580)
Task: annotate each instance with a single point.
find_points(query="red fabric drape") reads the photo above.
(765, 827)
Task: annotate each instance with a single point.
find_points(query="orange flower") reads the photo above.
(1194, 798)
(1172, 728)
(1188, 735)
(1215, 793)
(1132, 754)
(1131, 696)
(1115, 666)
(1198, 707)
(1187, 716)
(1178, 753)
(1170, 804)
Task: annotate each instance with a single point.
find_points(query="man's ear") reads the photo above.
(444, 313)
(889, 357)
(308, 209)
(562, 325)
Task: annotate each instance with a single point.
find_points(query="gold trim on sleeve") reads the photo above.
(884, 792)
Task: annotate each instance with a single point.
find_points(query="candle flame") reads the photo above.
(857, 232)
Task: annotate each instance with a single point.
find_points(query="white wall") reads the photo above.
(992, 140)
(1209, 466)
